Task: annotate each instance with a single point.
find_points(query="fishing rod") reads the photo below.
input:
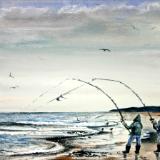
(124, 84)
(79, 80)
(98, 88)
(65, 93)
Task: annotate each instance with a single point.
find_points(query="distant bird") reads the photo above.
(134, 27)
(105, 49)
(14, 87)
(63, 94)
(10, 75)
(58, 98)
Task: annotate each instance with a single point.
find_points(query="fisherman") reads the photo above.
(156, 126)
(135, 133)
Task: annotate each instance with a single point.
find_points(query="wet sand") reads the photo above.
(78, 153)
(146, 152)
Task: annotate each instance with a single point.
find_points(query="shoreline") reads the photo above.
(96, 145)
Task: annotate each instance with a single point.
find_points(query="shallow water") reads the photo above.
(23, 134)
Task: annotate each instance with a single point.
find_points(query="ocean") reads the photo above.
(24, 135)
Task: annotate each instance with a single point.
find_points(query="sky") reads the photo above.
(43, 42)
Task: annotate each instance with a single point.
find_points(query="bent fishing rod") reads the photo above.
(88, 83)
(102, 91)
(124, 84)
(98, 88)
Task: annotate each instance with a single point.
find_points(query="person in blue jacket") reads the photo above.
(135, 133)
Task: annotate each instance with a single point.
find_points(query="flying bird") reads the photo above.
(10, 75)
(58, 98)
(134, 27)
(63, 94)
(105, 49)
(14, 87)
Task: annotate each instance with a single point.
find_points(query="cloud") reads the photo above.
(118, 25)
(75, 13)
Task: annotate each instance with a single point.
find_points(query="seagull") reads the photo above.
(105, 49)
(10, 75)
(14, 87)
(58, 98)
(63, 94)
(134, 27)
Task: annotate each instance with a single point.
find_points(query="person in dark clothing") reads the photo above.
(156, 126)
(135, 133)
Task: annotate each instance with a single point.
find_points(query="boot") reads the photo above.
(137, 149)
(127, 149)
(158, 148)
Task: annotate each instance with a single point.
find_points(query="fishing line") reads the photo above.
(99, 89)
(42, 94)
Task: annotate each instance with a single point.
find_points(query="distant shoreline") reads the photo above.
(138, 109)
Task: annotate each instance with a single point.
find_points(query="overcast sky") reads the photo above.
(43, 42)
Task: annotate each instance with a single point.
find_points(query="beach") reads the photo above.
(47, 136)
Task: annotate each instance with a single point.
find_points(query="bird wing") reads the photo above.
(105, 49)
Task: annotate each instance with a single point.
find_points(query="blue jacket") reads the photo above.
(136, 126)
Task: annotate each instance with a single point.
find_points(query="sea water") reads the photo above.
(23, 134)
